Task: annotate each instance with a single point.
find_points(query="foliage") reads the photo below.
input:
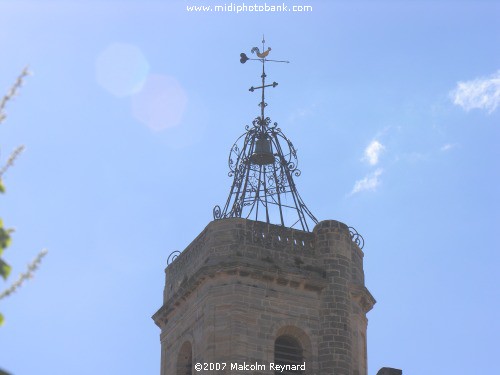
(32, 267)
(5, 234)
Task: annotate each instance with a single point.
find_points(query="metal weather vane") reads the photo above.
(263, 162)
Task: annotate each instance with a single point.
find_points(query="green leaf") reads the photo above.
(1, 323)
(4, 269)
(4, 237)
(2, 188)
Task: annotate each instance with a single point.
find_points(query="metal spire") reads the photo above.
(263, 162)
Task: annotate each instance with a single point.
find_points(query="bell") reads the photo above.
(262, 153)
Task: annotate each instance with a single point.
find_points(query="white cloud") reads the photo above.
(373, 151)
(302, 112)
(448, 146)
(370, 182)
(481, 93)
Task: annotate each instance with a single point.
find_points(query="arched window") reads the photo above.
(288, 351)
(185, 360)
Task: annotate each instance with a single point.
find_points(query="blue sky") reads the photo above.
(128, 119)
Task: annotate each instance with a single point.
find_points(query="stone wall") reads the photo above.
(240, 284)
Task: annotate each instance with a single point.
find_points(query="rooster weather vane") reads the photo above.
(262, 163)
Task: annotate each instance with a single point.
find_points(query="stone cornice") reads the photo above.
(362, 296)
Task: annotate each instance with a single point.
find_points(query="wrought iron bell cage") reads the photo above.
(262, 163)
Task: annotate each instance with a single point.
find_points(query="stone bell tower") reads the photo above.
(257, 291)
